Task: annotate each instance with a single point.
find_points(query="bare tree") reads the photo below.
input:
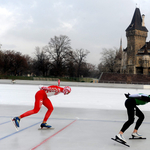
(13, 63)
(80, 58)
(109, 60)
(7, 62)
(1, 61)
(19, 64)
(92, 71)
(58, 51)
(41, 62)
(29, 61)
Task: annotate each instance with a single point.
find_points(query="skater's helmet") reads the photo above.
(66, 90)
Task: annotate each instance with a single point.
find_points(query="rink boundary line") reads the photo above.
(53, 135)
(4, 122)
(79, 119)
(19, 131)
(82, 119)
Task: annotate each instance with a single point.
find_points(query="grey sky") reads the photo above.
(90, 24)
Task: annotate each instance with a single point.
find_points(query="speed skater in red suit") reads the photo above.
(41, 97)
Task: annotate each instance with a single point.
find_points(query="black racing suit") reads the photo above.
(132, 109)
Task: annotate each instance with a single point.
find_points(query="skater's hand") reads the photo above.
(127, 95)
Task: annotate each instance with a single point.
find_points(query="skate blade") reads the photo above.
(137, 138)
(45, 128)
(13, 122)
(125, 144)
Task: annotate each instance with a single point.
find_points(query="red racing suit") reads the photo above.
(41, 97)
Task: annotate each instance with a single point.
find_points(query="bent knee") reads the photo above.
(52, 108)
(131, 121)
(142, 117)
(36, 110)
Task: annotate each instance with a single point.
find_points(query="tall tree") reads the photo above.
(8, 61)
(79, 56)
(19, 64)
(41, 62)
(13, 63)
(58, 50)
(109, 58)
(29, 61)
(1, 61)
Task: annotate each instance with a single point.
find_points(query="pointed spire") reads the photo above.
(136, 22)
(143, 21)
(120, 45)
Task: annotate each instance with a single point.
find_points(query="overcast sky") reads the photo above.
(90, 24)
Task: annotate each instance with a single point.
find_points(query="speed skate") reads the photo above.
(137, 138)
(119, 141)
(13, 122)
(46, 128)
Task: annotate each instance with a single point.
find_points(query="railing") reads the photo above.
(45, 79)
(122, 82)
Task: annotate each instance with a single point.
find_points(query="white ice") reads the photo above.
(80, 97)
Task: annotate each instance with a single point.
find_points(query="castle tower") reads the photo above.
(145, 61)
(136, 34)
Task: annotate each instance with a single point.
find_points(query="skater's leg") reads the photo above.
(39, 96)
(130, 112)
(38, 103)
(36, 109)
(140, 119)
(138, 123)
(126, 125)
(130, 105)
(130, 120)
(47, 103)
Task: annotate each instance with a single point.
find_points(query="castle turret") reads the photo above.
(136, 34)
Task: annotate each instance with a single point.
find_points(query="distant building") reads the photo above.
(136, 57)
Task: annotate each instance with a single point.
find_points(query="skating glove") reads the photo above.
(127, 95)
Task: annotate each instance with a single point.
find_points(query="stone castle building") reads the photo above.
(136, 57)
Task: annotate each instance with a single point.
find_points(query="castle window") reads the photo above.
(130, 71)
(130, 61)
(145, 61)
(140, 61)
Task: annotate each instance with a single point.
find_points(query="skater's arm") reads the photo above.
(56, 89)
(145, 98)
(134, 96)
(138, 96)
(52, 88)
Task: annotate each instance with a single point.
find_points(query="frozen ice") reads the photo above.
(80, 97)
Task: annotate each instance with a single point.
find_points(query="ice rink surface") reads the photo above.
(86, 119)
(80, 97)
